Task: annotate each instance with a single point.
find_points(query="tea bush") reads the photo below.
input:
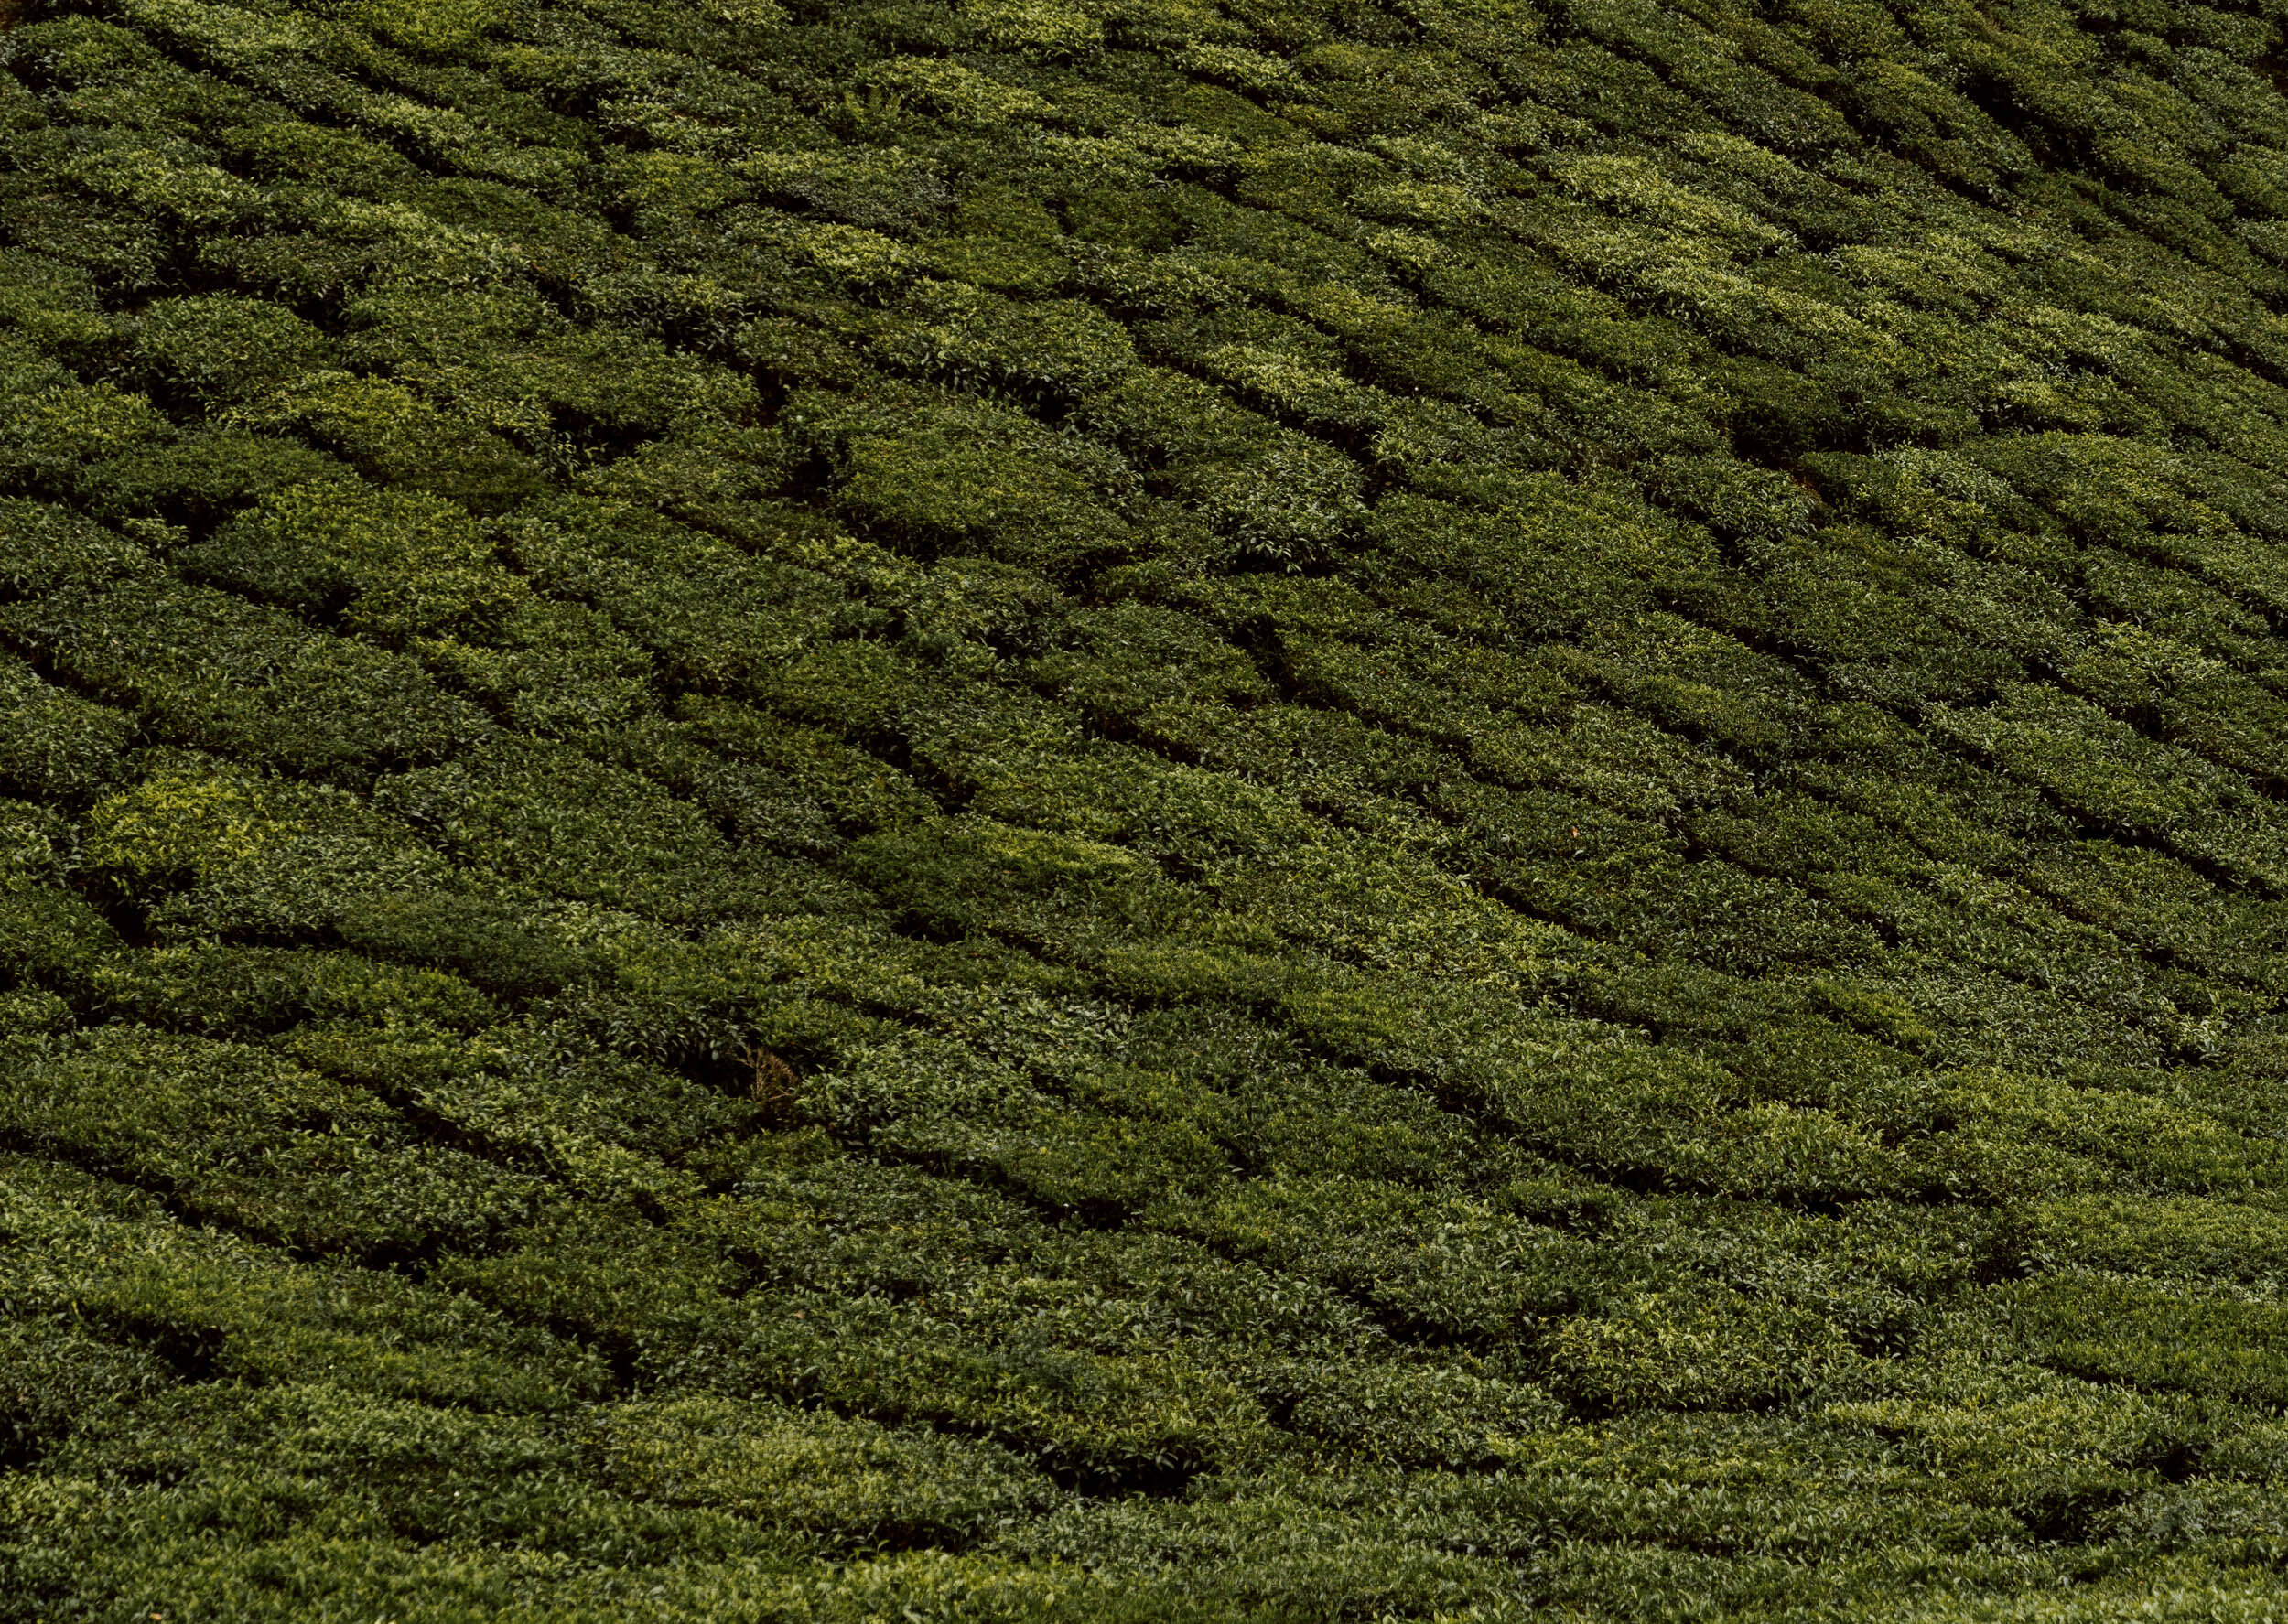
(966, 809)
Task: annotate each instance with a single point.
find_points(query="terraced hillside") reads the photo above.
(1143, 810)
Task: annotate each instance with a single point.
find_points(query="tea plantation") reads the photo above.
(1143, 810)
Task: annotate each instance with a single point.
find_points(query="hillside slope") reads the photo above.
(1143, 809)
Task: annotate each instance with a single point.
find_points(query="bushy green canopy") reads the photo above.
(1285, 810)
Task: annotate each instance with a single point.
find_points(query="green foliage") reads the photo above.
(1141, 810)
(222, 351)
(852, 1479)
(233, 1135)
(389, 568)
(56, 745)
